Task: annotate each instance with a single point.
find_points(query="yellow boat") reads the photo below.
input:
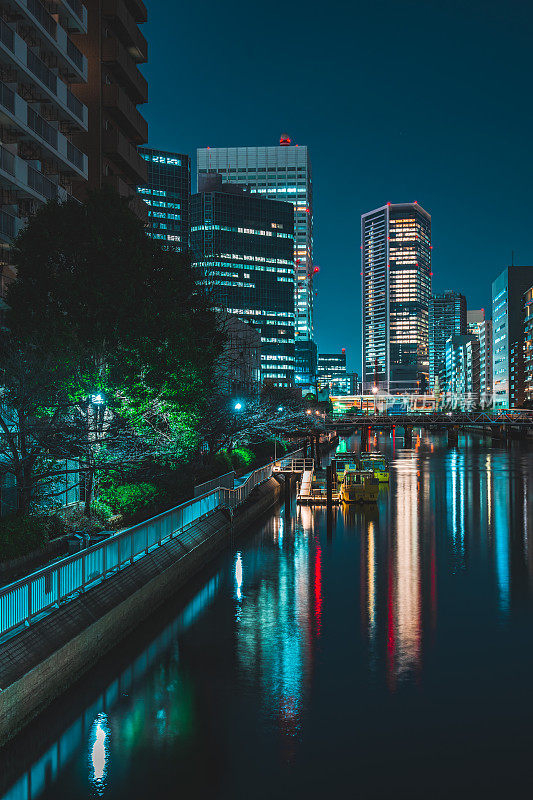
(359, 486)
(378, 464)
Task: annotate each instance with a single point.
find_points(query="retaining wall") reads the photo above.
(40, 662)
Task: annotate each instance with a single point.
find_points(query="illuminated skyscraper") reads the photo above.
(447, 317)
(396, 289)
(243, 245)
(168, 196)
(508, 335)
(278, 173)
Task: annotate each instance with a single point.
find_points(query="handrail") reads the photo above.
(28, 599)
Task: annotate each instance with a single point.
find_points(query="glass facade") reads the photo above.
(508, 335)
(277, 173)
(167, 195)
(396, 289)
(243, 245)
(447, 317)
(478, 326)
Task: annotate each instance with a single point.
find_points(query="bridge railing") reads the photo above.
(28, 599)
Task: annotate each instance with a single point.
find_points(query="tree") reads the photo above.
(33, 411)
(144, 333)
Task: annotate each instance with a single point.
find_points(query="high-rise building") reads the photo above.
(508, 335)
(243, 244)
(238, 371)
(331, 365)
(478, 326)
(41, 109)
(447, 317)
(462, 371)
(305, 363)
(528, 346)
(279, 173)
(396, 289)
(114, 47)
(168, 196)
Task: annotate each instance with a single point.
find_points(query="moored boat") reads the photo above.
(378, 464)
(359, 486)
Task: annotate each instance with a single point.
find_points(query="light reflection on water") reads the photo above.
(308, 640)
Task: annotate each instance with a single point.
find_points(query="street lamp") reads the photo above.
(237, 406)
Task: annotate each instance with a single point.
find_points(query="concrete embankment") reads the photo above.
(42, 661)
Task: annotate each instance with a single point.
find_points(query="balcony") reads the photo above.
(72, 14)
(137, 10)
(126, 27)
(15, 113)
(52, 35)
(119, 150)
(9, 226)
(115, 54)
(125, 112)
(25, 180)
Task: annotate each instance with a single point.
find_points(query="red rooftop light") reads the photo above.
(316, 269)
(285, 140)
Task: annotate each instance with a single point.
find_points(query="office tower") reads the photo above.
(462, 371)
(508, 335)
(396, 289)
(42, 72)
(168, 196)
(114, 47)
(279, 173)
(478, 326)
(305, 363)
(528, 347)
(331, 366)
(238, 372)
(447, 317)
(243, 245)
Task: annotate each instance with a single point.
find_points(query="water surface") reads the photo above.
(389, 655)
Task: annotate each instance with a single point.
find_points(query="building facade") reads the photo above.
(168, 197)
(114, 46)
(508, 292)
(528, 346)
(42, 111)
(478, 326)
(278, 173)
(462, 371)
(447, 317)
(239, 369)
(243, 247)
(305, 363)
(396, 289)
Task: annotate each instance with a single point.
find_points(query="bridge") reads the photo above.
(522, 419)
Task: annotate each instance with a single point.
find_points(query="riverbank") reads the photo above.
(42, 661)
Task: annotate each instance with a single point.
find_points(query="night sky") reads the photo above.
(398, 101)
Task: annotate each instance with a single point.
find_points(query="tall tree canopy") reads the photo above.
(125, 319)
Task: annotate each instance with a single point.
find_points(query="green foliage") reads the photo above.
(130, 498)
(241, 457)
(20, 535)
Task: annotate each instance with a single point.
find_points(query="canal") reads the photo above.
(388, 656)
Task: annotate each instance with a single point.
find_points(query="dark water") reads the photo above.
(391, 657)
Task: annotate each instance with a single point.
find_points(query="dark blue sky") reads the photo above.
(412, 100)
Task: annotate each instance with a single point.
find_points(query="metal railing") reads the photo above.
(42, 127)
(7, 35)
(7, 97)
(41, 71)
(74, 155)
(32, 597)
(7, 161)
(42, 16)
(41, 184)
